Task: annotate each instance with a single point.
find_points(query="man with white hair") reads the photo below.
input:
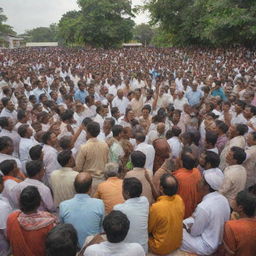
(110, 191)
(203, 231)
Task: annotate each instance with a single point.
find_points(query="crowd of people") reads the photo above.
(127, 152)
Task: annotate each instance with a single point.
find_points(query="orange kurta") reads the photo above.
(23, 242)
(110, 191)
(240, 236)
(188, 182)
(165, 224)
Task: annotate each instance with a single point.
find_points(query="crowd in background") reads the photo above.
(127, 152)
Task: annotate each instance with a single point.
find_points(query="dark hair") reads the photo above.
(188, 161)
(83, 186)
(34, 167)
(248, 201)
(4, 122)
(116, 130)
(221, 125)
(47, 136)
(114, 111)
(138, 159)
(116, 226)
(61, 241)
(176, 131)
(5, 101)
(212, 158)
(110, 120)
(7, 166)
(147, 107)
(241, 103)
(67, 115)
(21, 114)
(22, 130)
(64, 157)
(5, 142)
(211, 137)
(169, 188)
(30, 199)
(93, 128)
(35, 152)
(132, 186)
(140, 136)
(86, 121)
(65, 142)
(238, 154)
(242, 129)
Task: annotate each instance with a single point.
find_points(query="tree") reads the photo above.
(101, 23)
(206, 22)
(143, 33)
(43, 34)
(4, 28)
(70, 26)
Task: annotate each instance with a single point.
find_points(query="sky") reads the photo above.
(27, 14)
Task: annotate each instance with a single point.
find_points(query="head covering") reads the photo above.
(214, 177)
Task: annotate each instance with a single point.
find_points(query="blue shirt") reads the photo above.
(84, 213)
(219, 92)
(194, 97)
(80, 95)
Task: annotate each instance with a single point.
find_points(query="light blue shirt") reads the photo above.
(137, 211)
(219, 92)
(84, 213)
(194, 97)
(80, 95)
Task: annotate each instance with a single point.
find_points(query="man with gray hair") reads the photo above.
(110, 191)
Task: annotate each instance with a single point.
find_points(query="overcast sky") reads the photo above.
(27, 14)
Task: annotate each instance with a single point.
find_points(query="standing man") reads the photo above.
(93, 155)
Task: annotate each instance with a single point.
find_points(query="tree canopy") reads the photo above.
(4, 28)
(206, 22)
(143, 33)
(101, 23)
(43, 34)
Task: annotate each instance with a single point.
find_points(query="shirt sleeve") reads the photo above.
(80, 159)
(200, 221)
(225, 186)
(229, 240)
(152, 220)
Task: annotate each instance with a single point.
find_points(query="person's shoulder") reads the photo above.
(96, 201)
(135, 249)
(94, 249)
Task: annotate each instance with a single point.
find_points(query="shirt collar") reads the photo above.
(82, 196)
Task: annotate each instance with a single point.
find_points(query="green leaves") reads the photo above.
(206, 22)
(101, 23)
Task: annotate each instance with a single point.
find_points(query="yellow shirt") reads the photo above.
(165, 224)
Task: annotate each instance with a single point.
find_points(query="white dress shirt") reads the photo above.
(7, 113)
(25, 145)
(9, 157)
(99, 119)
(45, 193)
(137, 211)
(149, 151)
(175, 145)
(50, 162)
(115, 249)
(208, 225)
(121, 104)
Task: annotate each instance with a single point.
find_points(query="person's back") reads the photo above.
(116, 226)
(165, 218)
(136, 208)
(93, 155)
(110, 191)
(240, 235)
(138, 161)
(82, 211)
(27, 230)
(63, 190)
(188, 178)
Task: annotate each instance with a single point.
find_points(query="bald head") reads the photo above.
(120, 93)
(169, 184)
(161, 128)
(83, 183)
